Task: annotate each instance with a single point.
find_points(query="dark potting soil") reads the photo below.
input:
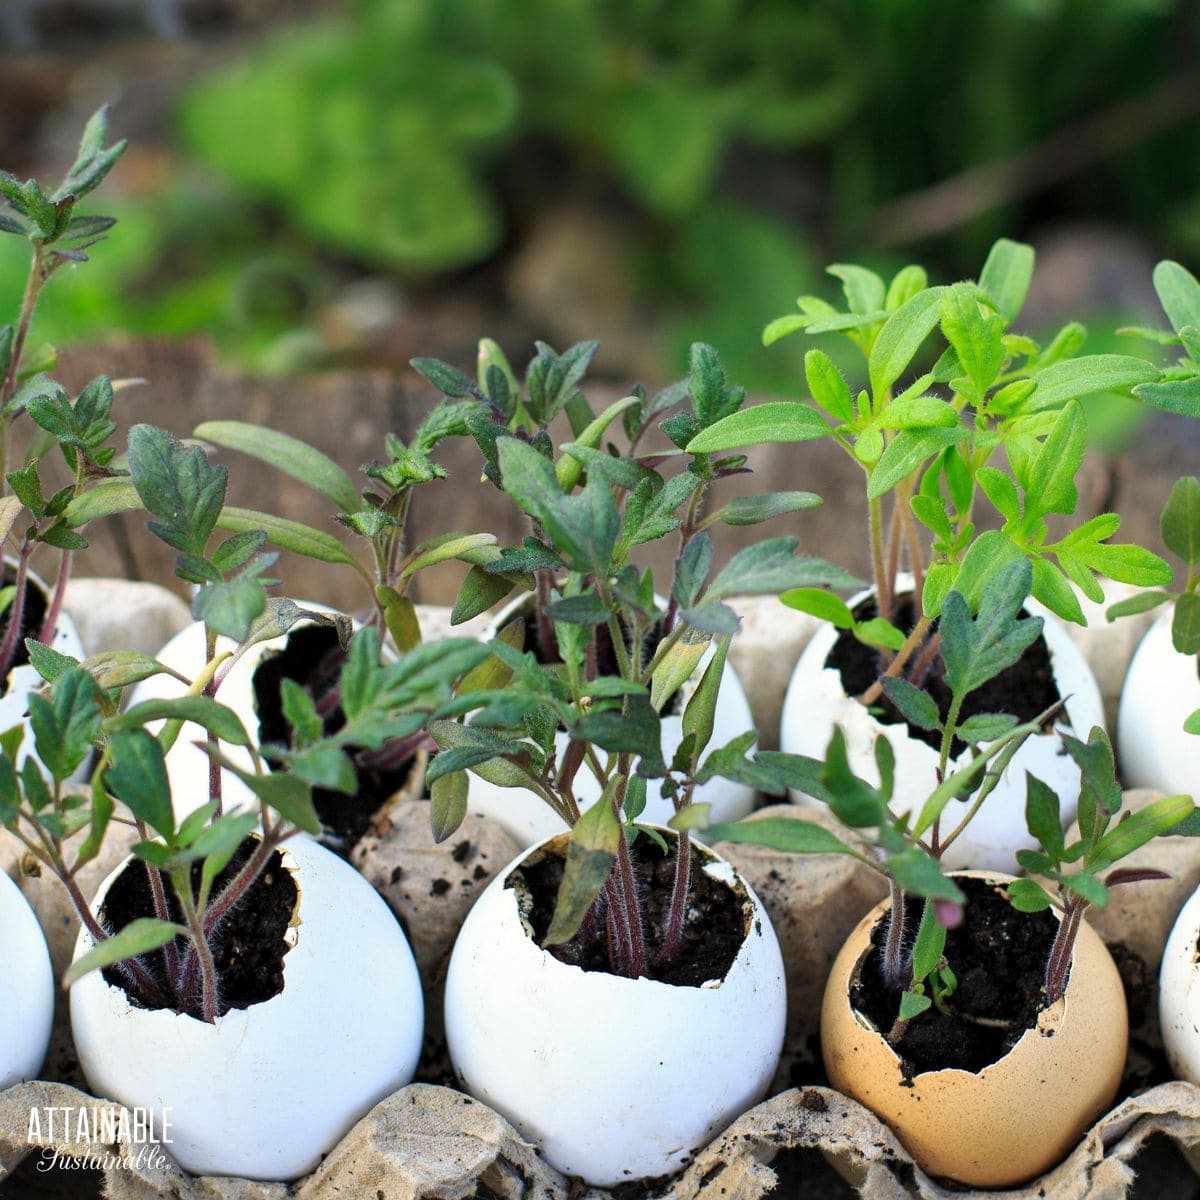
(1025, 689)
(33, 617)
(248, 947)
(999, 957)
(713, 930)
(313, 657)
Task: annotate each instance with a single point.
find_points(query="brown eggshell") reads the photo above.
(1016, 1118)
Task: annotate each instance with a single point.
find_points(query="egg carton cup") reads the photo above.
(433, 1143)
(427, 1142)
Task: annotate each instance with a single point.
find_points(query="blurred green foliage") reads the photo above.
(740, 140)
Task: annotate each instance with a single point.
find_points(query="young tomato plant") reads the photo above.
(606, 656)
(989, 415)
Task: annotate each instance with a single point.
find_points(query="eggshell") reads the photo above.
(266, 1090)
(527, 818)
(1016, 1118)
(187, 764)
(26, 989)
(816, 703)
(22, 680)
(613, 1078)
(1161, 690)
(1179, 993)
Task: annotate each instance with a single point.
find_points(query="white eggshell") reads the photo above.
(22, 680)
(26, 988)
(267, 1090)
(187, 764)
(528, 819)
(815, 704)
(1179, 993)
(1161, 691)
(614, 1078)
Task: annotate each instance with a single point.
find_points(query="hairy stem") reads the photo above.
(547, 645)
(208, 968)
(894, 974)
(679, 895)
(16, 614)
(929, 652)
(1058, 965)
(905, 652)
(56, 601)
(883, 591)
(628, 886)
(210, 690)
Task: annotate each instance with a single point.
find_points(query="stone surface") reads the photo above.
(124, 614)
(764, 652)
(814, 901)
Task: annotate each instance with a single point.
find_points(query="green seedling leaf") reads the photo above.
(1043, 817)
(137, 776)
(853, 801)
(290, 455)
(778, 421)
(448, 804)
(496, 769)
(1180, 396)
(568, 468)
(828, 386)
(752, 510)
(1051, 588)
(1135, 829)
(48, 662)
(1185, 624)
(913, 1004)
(985, 727)
(400, 616)
(1180, 524)
(444, 549)
(103, 499)
(1074, 378)
(67, 723)
(878, 632)
(700, 712)
(674, 670)
(975, 335)
(177, 485)
(140, 936)
(595, 841)
(584, 526)
(288, 795)
(218, 720)
(823, 605)
(1027, 896)
(916, 707)
(976, 650)
(901, 336)
(1178, 293)
(1050, 486)
(287, 535)
(1141, 603)
(1006, 275)
(907, 451)
(585, 609)
(863, 288)
(918, 873)
(791, 835)
(480, 591)
(773, 566)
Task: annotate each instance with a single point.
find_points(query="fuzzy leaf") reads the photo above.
(778, 421)
(595, 840)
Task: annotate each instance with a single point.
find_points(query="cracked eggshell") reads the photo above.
(1179, 993)
(528, 819)
(1016, 1118)
(26, 989)
(613, 1078)
(267, 1090)
(816, 702)
(1161, 691)
(187, 764)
